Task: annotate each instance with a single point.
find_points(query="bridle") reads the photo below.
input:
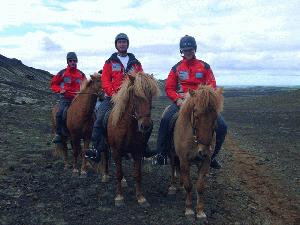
(197, 140)
(133, 114)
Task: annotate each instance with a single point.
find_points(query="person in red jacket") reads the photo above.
(187, 74)
(66, 83)
(114, 70)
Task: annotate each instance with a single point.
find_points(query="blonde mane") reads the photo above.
(203, 98)
(144, 86)
(86, 83)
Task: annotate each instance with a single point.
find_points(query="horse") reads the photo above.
(193, 141)
(128, 125)
(79, 122)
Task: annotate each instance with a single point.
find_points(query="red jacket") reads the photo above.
(188, 75)
(69, 80)
(114, 71)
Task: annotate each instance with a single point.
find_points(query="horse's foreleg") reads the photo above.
(185, 175)
(172, 188)
(86, 143)
(65, 154)
(76, 150)
(119, 199)
(138, 179)
(202, 171)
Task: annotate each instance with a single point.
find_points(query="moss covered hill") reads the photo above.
(20, 84)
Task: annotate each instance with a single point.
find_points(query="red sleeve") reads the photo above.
(140, 68)
(171, 86)
(106, 79)
(210, 79)
(55, 83)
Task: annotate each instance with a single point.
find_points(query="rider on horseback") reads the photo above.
(66, 83)
(187, 74)
(114, 71)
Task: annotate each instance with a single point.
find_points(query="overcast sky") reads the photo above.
(245, 42)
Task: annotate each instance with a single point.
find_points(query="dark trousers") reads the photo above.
(164, 132)
(63, 103)
(98, 133)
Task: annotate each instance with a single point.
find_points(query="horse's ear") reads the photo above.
(94, 76)
(191, 92)
(131, 78)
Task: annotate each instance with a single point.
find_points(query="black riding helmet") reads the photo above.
(121, 36)
(187, 42)
(72, 55)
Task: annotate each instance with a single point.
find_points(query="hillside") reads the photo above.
(20, 84)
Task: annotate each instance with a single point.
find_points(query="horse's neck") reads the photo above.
(85, 101)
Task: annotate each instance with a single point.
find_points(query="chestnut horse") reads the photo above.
(80, 119)
(128, 124)
(193, 142)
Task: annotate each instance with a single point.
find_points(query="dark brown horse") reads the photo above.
(80, 119)
(193, 142)
(127, 125)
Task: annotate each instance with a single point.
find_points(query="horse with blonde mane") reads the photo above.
(193, 142)
(79, 122)
(128, 127)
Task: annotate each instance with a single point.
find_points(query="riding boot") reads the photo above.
(215, 164)
(58, 136)
(94, 153)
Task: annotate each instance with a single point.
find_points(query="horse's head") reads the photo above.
(93, 86)
(136, 93)
(144, 87)
(204, 104)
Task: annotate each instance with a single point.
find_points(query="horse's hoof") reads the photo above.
(124, 183)
(105, 178)
(66, 167)
(172, 190)
(143, 202)
(189, 213)
(119, 201)
(83, 174)
(75, 172)
(201, 216)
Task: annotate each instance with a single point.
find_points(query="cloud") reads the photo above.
(237, 37)
(50, 46)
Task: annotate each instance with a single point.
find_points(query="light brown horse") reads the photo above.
(193, 142)
(128, 123)
(80, 119)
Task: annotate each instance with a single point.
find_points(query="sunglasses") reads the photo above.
(72, 60)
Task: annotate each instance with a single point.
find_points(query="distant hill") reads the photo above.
(21, 84)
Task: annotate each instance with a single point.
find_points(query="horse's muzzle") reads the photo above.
(145, 126)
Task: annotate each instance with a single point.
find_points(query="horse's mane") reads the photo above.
(205, 99)
(86, 83)
(144, 86)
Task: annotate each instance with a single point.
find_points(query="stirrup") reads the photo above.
(57, 139)
(161, 159)
(93, 154)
